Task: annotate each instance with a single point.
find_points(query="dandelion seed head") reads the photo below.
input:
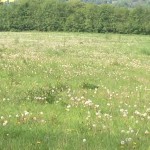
(5, 123)
(2, 117)
(122, 142)
(146, 132)
(41, 113)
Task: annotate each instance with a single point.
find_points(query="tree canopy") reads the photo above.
(76, 16)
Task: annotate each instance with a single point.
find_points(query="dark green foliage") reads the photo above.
(89, 86)
(76, 16)
(42, 95)
(46, 94)
(145, 51)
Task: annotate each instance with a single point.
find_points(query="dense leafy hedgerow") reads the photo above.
(55, 15)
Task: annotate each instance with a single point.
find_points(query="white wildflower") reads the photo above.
(122, 131)
(41, 113)
(146, 132)
(26, 113)
(68, 106)
(17, 115)
(2, 117)
(94, 125)
(108, 104)
(122, 142)
(5, 123)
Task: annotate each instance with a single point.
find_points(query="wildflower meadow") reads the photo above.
(74, 91)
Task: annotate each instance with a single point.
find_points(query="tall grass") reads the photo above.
(74, 91)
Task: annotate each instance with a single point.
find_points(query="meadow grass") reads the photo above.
(74, 91)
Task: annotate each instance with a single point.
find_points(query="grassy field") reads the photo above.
(74, 91)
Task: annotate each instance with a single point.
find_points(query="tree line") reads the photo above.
(73, 16)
